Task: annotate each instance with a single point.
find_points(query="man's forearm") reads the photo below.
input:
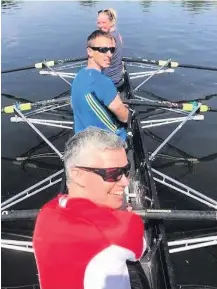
(123, 115)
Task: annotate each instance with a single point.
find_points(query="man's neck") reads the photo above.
(92, 65)
(75, 191)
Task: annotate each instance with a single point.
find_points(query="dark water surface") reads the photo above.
(185, 31)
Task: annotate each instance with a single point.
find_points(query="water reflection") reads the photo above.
(197, 6)
(7, 5)
(146, 5)
(88, 3)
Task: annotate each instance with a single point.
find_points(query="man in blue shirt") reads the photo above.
(94, 97)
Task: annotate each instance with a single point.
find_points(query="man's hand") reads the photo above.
(129, 208)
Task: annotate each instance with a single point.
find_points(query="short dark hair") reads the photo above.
(98, 33)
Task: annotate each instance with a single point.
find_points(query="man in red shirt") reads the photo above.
(82, 240)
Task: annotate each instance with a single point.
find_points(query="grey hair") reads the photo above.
(87, 140)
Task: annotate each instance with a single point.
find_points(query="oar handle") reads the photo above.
(19, 215)
(152, 104)
(183, 215)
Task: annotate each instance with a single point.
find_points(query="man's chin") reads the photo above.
(107, 65)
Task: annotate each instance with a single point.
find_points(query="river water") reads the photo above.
(185, 31)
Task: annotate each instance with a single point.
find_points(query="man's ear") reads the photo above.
(77, 176)
(74, 172)
(89, 52)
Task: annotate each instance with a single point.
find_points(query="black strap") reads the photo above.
(138, 279)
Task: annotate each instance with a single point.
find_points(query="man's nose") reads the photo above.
(108, 53)
(124, 180)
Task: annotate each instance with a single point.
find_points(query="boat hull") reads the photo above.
(156, 261)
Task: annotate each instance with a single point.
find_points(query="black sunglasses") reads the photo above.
(109, 174)
(103, 49)
(107, 12)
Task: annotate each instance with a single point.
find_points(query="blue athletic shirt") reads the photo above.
(91, 94)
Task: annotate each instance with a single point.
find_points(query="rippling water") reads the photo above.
(182, 30)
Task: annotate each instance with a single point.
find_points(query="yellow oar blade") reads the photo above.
(21, 106)
(190, 107)
(41, 64)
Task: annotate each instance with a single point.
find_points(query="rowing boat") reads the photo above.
(156, 261)
(18, 225)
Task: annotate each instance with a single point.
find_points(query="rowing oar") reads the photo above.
(15, 98)
(25, 162)
(188, 106)
(171, 64)
(185, 106)
(44, 64)
(31, 105)
(184, 215)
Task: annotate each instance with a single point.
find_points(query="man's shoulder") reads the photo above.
(83, 209)
(103, 83)
(107, 79)
(81, 73)
(49, 208)
(74, 207)
(111, 219)
(99, 76)
(92, 76)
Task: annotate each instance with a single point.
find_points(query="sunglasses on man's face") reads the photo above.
(103, 49)
(109, 174)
